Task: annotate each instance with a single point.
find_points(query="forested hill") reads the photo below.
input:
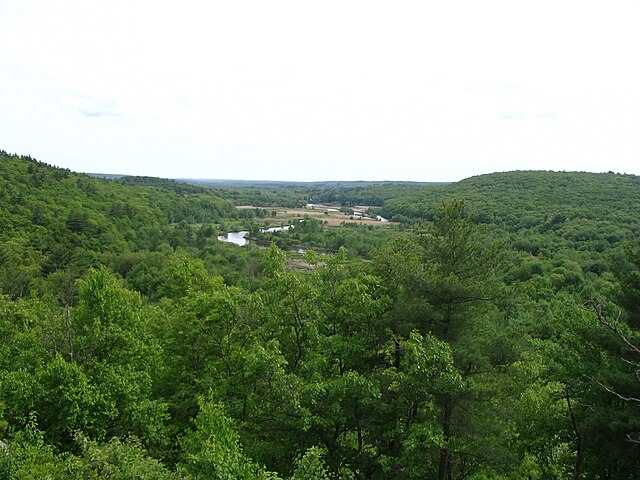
(585, 211)
(165, 183)
(498, 341)
(52, 219)
(522, 198)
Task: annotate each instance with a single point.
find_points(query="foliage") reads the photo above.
(212, 449)
(501, 344)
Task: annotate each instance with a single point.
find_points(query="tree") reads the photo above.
(212, 449)
(445, 280)
(114, 343)
(310, 466)
(629, 277)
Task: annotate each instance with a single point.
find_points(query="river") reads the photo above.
(238, 238)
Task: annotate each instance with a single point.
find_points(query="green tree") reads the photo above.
(444, 278)
(114, 343)
(310, 466)
(212, 449)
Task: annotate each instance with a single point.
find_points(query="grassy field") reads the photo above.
(330, 214)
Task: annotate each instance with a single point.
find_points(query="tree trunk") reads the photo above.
(445, 464)
(578, 438)
(69, 326)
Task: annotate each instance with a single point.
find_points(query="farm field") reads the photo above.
(331, 215)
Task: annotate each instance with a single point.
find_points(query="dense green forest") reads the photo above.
(493, 332)
(297, 194)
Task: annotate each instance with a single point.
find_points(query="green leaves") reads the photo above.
(113, 342)
(417, 364)
(213, 451)
(310, 466)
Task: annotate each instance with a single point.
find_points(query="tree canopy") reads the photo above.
(491, 332)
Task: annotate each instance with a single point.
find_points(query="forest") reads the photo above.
(490, 331)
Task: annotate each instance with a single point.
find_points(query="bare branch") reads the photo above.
(632, 363)
(614, 328)
(632, 439)
(621, 397)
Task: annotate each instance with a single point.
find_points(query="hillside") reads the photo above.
(52, 219)
(497, 339)
(540, 211)
(520, 198)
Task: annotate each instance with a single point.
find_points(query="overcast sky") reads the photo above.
(322, 90)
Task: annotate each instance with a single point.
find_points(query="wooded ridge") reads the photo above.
(490, 331)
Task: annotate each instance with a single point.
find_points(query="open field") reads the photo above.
(330, 214)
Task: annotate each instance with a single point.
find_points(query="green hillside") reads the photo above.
(541, 212)
(520, 199)
(492, 333)
(54, 220)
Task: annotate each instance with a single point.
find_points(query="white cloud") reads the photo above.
(301, 90)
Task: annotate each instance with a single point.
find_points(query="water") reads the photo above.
(238, 238)
(276, 229)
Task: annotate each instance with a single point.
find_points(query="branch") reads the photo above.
(632, 439)
(621, 397)
(614, 328)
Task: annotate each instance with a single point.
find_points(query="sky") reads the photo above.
(322, 90)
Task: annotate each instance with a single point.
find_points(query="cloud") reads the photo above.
(97, 113)
(514, 115)
(365, 89)
(511, 115)
(545, 115)
(91, 107)
(496, 89)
